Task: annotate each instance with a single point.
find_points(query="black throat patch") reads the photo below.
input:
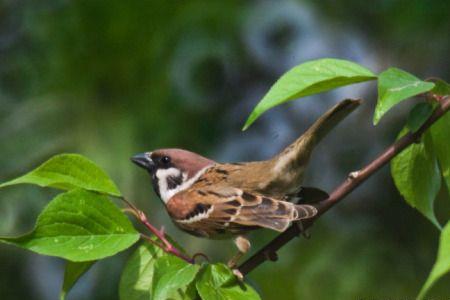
(174, 181)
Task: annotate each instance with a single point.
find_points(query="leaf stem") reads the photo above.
(353, 180)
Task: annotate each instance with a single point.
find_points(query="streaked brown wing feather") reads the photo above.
(261, 211)
(221, 208)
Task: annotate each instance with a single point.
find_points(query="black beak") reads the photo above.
(143, 161)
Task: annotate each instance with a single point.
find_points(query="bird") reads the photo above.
(224, 200)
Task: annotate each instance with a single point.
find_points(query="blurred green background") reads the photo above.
(109, 79)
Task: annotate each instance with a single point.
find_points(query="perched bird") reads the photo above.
(219, 200)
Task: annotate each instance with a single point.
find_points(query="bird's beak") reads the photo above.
(143, 161)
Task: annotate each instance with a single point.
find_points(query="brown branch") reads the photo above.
(353, 181)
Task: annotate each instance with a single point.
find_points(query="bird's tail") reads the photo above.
(297, 154)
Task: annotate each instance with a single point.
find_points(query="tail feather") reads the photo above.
(299, 151)
(307, 195)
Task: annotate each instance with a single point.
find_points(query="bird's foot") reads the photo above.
(243, 245)
(232, 263)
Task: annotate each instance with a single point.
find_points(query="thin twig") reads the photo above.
(166, 244)
(353, 181)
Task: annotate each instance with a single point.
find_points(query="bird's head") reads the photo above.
(172, 170)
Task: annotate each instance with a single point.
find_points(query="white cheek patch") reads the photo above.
(163, 174)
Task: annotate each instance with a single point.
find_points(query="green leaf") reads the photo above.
(394, 86)
(171, 278)
(79, 226)
(441, 88)
(418, 115)
(69, 171)
(416, 176)
(218, 282)
(442, 264)
(73, 271)
(310, 78)
(151, 273)
(137, 278)
(440, 132)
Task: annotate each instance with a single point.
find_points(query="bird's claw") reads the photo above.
(232, 264)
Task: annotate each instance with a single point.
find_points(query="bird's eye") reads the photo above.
(165, 159)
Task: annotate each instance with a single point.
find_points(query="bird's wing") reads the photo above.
(219, 207)
(251, 209)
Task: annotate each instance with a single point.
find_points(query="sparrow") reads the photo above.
(221, 200)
